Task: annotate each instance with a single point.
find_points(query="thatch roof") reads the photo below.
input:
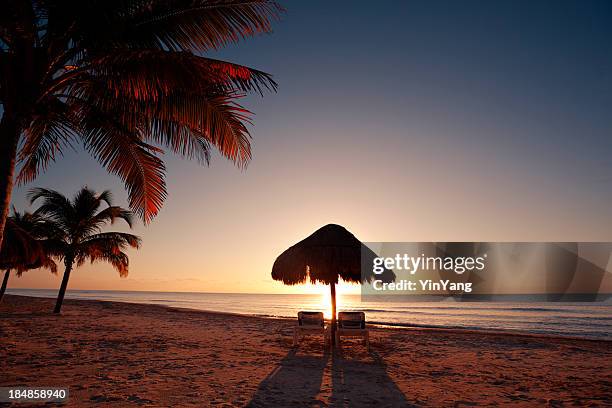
(330, 253)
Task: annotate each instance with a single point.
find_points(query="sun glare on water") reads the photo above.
(322, 302)
(326, 302)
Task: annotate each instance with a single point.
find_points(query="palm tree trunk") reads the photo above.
(9, 136)
(333, 319)
(62, 291)
(4, 283)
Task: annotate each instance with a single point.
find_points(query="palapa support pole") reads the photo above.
(333, 318)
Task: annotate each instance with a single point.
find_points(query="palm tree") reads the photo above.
(27, 246)
(78, 233)
(125, 79)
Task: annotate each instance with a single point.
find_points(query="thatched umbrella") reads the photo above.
(326, 256)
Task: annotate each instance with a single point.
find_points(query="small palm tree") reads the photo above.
(124, 79)
(27, 246)
(78, 235)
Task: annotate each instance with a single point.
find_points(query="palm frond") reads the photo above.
(54, 206)
(243, 78)
(134, 161)
(56, 246)
(44, 262)
(50, 130)
(122, 75)
(200, 25)
(184, 118)
(110, 214)
(18, 247)
(148, 73)
(108, 247)
(109, 240)
(180, 139)
(119, 260)
(187, 25)
(16, 21)
(215, 120)
(26, 245)
(187, 123)
(107, 197)
(85, 204)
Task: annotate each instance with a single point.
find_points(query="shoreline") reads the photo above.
(380, 325)
(117, 353)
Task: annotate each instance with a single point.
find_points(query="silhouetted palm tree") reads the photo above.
(28, 246)
(122, 78)
(78, 225)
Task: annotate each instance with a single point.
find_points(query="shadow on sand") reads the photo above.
(326, 380)
(363, 382)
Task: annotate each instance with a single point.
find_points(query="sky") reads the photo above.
(402, 121)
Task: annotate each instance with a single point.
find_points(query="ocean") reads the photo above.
(579, 319)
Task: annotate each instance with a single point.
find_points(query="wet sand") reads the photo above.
(122, 354)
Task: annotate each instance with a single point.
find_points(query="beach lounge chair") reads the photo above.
(309, 323)
(352, 324)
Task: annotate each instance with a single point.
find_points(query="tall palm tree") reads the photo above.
(78, 233)
(27, 246)
(124, 78)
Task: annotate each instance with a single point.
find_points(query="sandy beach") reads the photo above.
(114, 354)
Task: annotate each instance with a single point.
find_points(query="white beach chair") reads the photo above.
(310, 323)
(352, 324)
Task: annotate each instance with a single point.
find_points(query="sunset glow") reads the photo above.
(420, 161)
(176, 175)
